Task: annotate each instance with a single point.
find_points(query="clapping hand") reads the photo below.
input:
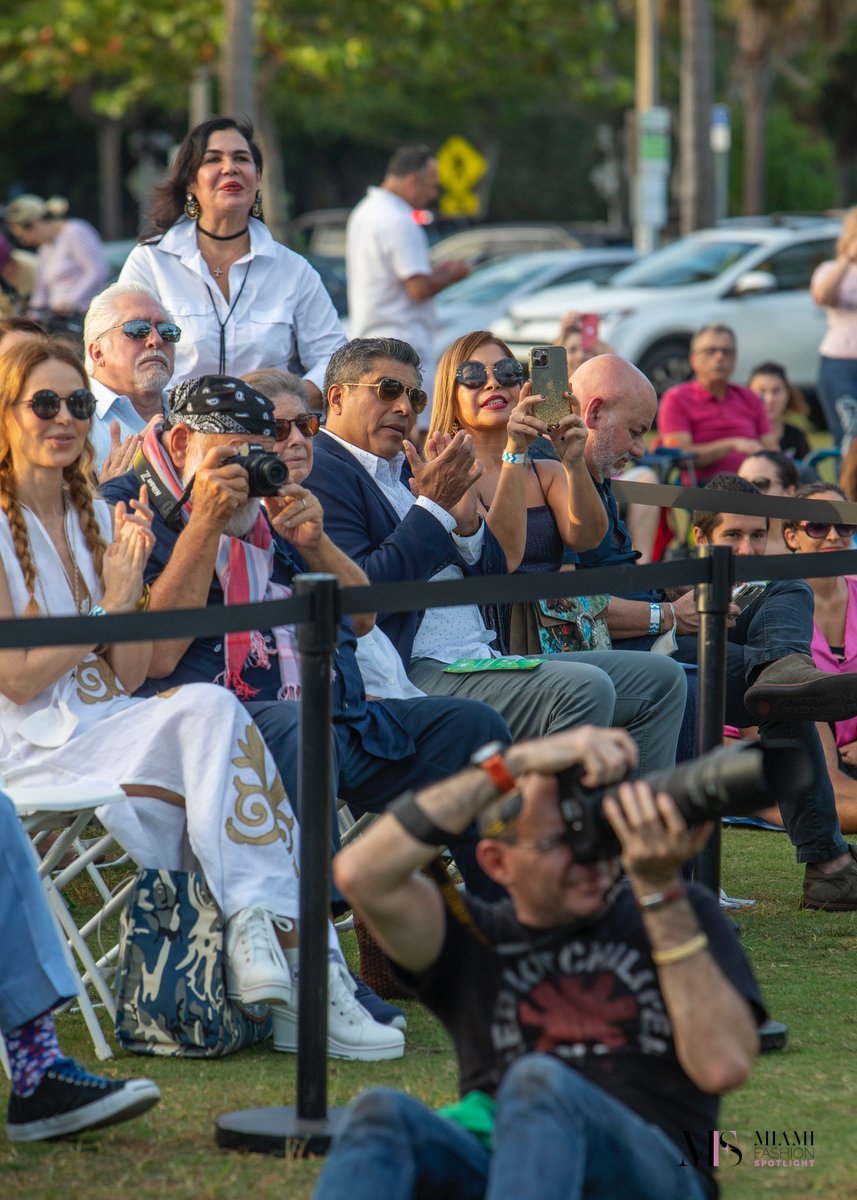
(126, 556)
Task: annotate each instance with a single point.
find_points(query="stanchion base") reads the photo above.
(773, 1035)
(278, 1131)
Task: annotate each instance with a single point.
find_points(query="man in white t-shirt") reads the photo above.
(391, 280)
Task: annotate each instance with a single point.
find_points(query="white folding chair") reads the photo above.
(69, 808)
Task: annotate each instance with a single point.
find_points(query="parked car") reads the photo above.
(480, 300)
(750, 274)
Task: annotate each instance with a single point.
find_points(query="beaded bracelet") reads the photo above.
(516, 460)
(97, 611)
(687, 949)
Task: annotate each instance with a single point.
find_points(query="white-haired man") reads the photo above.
(130, 343)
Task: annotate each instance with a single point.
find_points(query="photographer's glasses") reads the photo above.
(389, 390)
(820, 529)
(140, 329)
(46, 404)
(308, 424)
(507, 372)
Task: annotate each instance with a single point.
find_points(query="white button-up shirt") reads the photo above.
(444, 634)
(278, 309)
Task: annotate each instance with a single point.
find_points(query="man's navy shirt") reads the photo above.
(380, 732)
(615, 549)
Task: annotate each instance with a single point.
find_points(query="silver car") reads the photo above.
(751, 274)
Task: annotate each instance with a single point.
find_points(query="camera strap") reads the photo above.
(161, 496)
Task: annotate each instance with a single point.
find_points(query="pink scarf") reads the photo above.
(243, 568)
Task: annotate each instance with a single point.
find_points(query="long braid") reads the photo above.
(80, 494)
(20, 536)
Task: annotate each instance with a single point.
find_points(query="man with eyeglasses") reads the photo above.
(596, 1021)
(718, 421)
(391, 279)
(404, 519)
(130, 342)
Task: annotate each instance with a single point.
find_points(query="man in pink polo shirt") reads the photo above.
(718, 421)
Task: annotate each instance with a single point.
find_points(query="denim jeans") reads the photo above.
(778, 623)
(837, 377)
(556, 1136)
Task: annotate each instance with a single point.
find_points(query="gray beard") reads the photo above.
(242, 521)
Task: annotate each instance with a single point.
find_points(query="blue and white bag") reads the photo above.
(170, 984)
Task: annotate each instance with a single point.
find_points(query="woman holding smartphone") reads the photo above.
(534, 508)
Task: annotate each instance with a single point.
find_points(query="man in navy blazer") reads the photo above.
(401, 518)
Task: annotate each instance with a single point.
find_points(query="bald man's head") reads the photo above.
(618, 405)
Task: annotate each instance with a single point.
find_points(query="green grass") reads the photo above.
(806, 967)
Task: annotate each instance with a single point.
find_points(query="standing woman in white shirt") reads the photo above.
(243, 301)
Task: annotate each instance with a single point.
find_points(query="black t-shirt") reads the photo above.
(587, 993)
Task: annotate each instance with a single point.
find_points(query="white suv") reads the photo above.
(750, 274)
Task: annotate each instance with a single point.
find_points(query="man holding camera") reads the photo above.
(596, 1022)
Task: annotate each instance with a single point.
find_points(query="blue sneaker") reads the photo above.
(70, 1100)
(379, 1010)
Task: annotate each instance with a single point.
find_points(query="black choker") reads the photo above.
(229, 237)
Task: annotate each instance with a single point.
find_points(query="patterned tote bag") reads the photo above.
(171, 986)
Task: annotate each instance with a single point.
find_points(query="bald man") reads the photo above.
(770, 679)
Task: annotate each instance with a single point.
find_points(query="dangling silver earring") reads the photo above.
(191, 206)
(256, 210)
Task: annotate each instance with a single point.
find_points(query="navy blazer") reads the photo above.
(361, 521)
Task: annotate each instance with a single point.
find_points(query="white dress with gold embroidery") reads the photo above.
(196, 741)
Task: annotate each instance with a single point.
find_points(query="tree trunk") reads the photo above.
(237, 61)
(755, 88)
(275, 200)
(696, 190)
(109, 135)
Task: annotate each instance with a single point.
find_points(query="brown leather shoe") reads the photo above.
(836, 892)
(793, 689)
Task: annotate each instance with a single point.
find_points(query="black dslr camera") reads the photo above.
(265, 471)
(727, 781)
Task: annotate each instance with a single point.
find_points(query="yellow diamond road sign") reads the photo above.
(460, 167)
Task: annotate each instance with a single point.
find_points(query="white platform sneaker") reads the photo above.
(256, 968)
(351, 1032)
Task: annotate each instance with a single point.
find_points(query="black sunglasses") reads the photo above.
(507, 372)
(46, 404)
(389, 390)
(762, 484)
(820, 529)
(308, 424)
(139, 329)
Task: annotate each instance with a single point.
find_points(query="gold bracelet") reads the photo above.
(675, 954)
(145, 600)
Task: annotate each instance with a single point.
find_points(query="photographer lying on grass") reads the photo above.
(596, 1020)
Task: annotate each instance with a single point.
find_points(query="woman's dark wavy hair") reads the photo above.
(168, 199)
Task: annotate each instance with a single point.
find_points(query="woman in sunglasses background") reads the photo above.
(243, 301)
(834, 641)
(774, 474)
(71, 266)
(534, 508)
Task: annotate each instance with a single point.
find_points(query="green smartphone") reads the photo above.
(549, 378)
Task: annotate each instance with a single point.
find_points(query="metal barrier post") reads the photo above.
(308, 1127)
(712, 604)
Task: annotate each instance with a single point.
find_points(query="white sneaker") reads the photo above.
(256, 969)
(351, 1032)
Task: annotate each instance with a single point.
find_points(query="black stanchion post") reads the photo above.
(712, 604)
(307, 1127)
